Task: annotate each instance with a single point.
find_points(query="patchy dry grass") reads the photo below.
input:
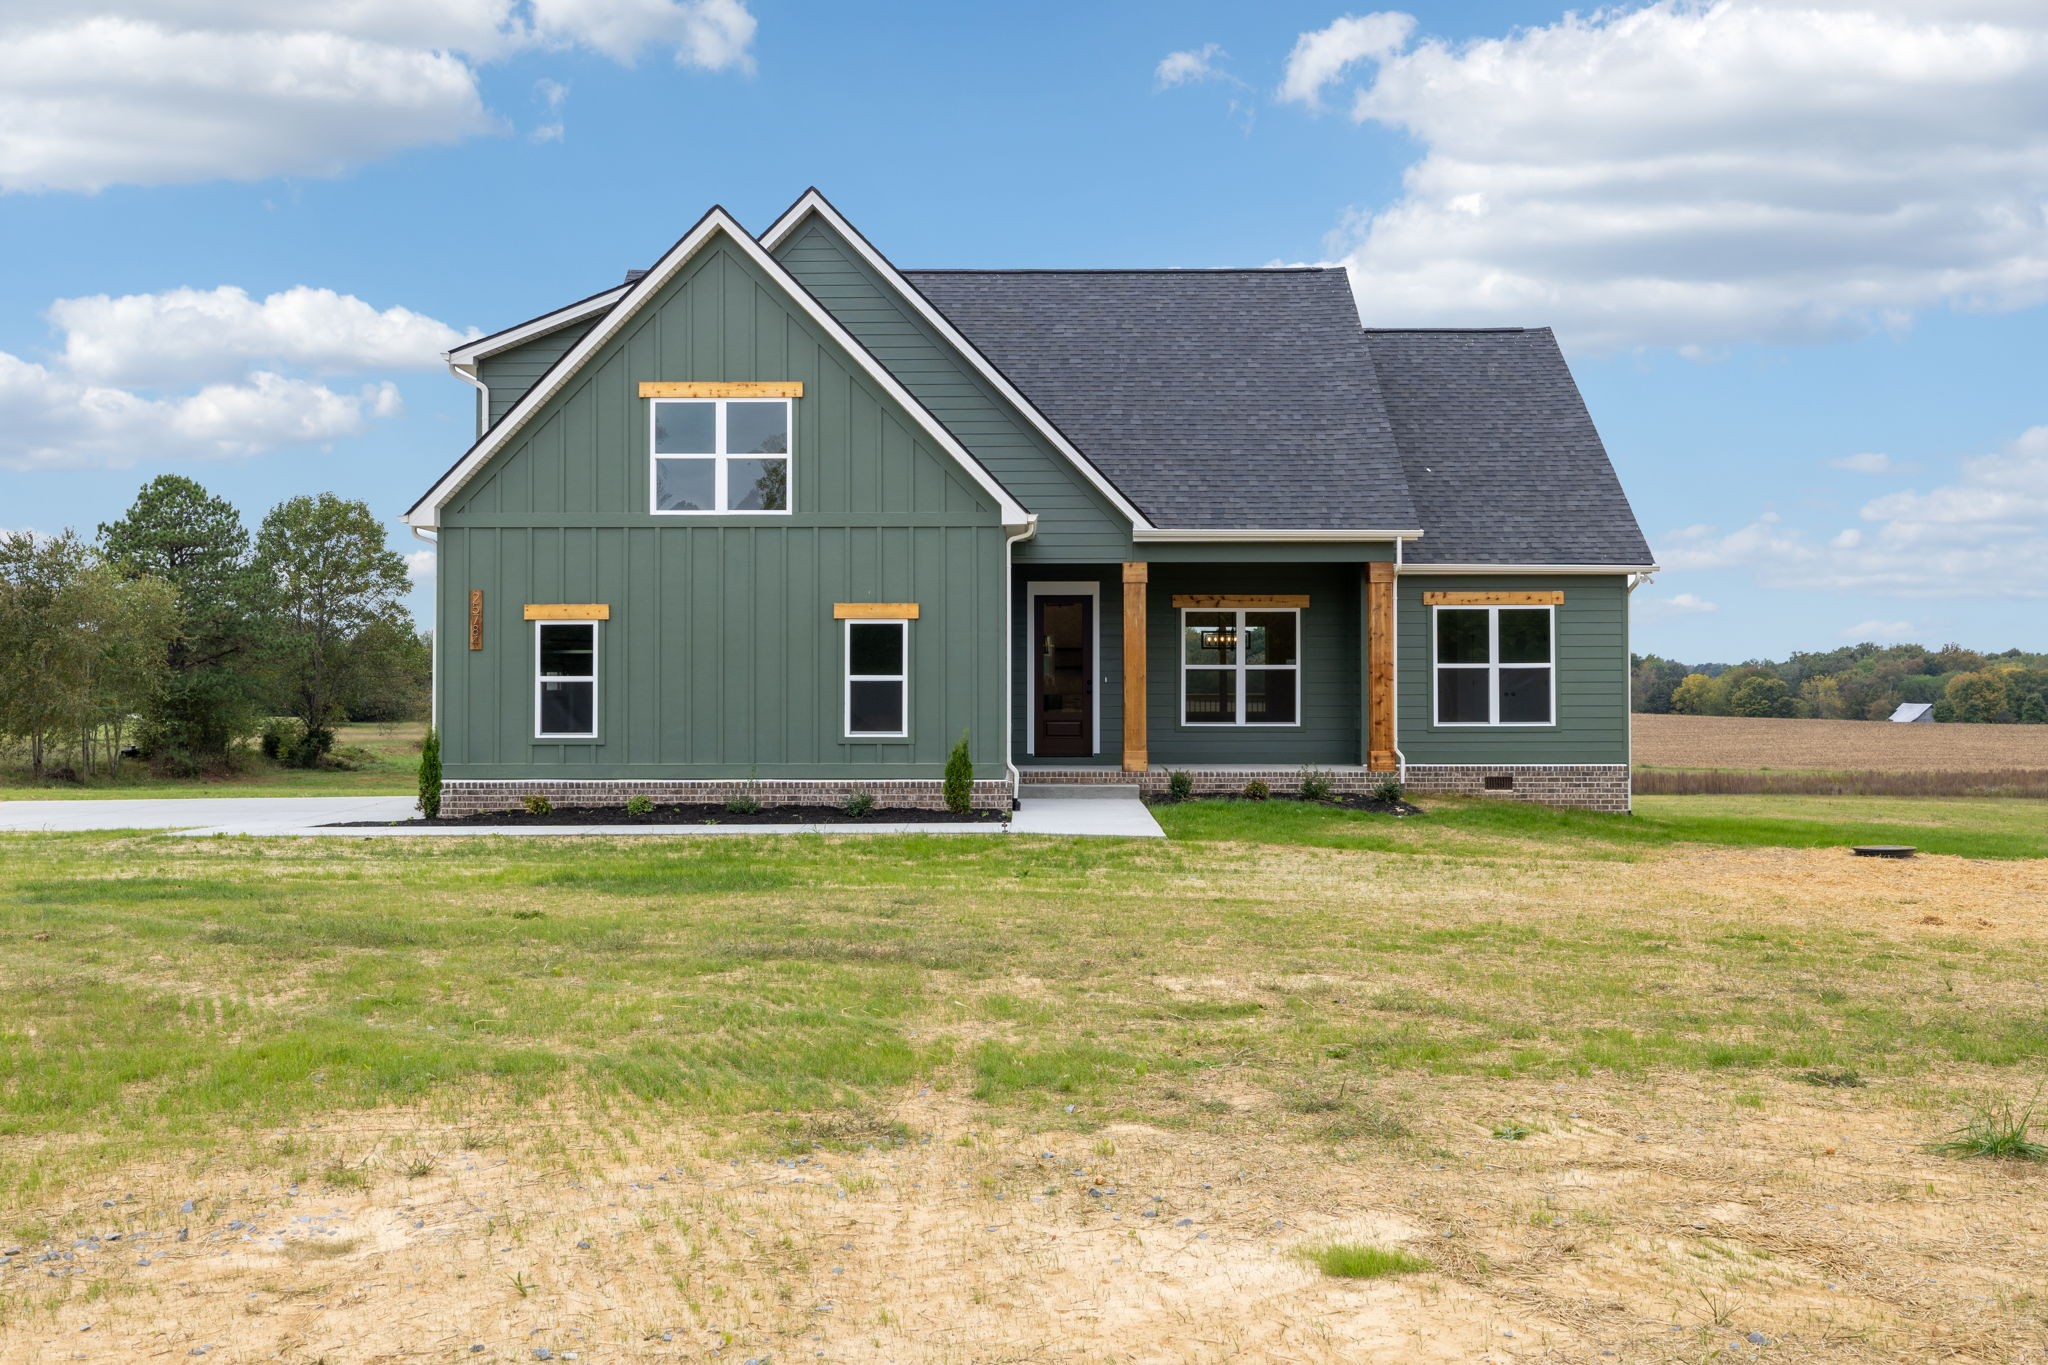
(941, 1099)
(383, 760)
(1838, 746)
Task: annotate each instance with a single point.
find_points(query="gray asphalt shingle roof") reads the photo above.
(1211, 398)
(1500, 453)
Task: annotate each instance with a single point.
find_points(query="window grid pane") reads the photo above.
(1495, 665)
(1240, 667)
(721, 455)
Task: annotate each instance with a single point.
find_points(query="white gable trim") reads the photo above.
(427, 511)
(814, 202)
(469, 352)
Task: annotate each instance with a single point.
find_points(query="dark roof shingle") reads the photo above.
(1500, 453)
(1211, 398)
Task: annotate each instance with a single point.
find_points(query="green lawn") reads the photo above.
(179, 993)
(383, 761)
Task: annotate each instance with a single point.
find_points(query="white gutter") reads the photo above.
(1009, 663)
(434, 654)
(1240, 535)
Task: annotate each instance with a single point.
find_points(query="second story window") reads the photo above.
(720, 455)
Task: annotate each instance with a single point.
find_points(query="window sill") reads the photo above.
(568, 739)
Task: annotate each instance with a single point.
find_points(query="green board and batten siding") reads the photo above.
(721, 657)
(1592, 675)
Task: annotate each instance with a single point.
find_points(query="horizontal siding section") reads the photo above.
(1075, 523)
(1592, 685)
(509, 374)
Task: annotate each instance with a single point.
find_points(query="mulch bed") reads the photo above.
(1368, 804)
(696, 814)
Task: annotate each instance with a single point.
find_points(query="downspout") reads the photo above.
(434, 654)
(1400, 759)
(1009, 663)
(1628, 693)
(468, 374)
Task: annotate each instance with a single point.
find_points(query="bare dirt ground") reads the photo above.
(1835, 745)
(1655, 1217)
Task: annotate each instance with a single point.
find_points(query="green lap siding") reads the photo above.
(1076, 524)
(1591, 653)
(721, 656)
(510, 373)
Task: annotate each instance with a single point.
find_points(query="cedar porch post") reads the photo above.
(1135, 578)
(1379, 671)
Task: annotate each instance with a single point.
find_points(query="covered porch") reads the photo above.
(1226, 670)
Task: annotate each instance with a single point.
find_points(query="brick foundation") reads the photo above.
(1582, 786)
(1590, 786)
(459, 797)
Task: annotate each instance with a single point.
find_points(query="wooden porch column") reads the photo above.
(1379, 666)
(1135, 578)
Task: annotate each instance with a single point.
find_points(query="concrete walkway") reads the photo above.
(1114, 812)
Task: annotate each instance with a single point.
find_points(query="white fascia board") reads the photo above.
(426, 512)
(1237, 535)
(814, 202)
(1424, 570)
(469, 352)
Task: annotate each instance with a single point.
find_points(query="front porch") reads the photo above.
(1228, 670)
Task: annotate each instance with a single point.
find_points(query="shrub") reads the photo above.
(959, 777)
(1256, 790)
(639, 804)
(1316, 785)
(430, 774)
(536, 804)
(1389, 790)
(747, 800)
(1180, 785)
(273, 741)
(857, 803)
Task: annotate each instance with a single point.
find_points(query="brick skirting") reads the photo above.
(472, 797)
(1588, 786)
(1581, 786)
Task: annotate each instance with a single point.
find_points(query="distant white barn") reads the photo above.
(1914, 712)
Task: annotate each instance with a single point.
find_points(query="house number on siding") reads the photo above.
(476, 618)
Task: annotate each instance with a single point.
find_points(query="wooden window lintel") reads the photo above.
(752, 388)
(1553, 597)
(874, 611)
(568, 611)
(1273, 601)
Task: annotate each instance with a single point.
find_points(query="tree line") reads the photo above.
(176, 637)
(1856, 682)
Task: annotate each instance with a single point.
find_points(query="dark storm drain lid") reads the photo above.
(1883, 850)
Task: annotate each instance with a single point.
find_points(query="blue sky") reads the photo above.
(1797, 251)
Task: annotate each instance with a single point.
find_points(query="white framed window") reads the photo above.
(877, 679)
(1494, 665)
(565, 679)
(716, 455)
(1240, 667)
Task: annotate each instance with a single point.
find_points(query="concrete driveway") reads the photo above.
(203, 814)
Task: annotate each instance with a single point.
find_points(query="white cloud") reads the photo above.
(1649, 609)
(419, 565)
(1323, 56)
(553, 94)
(52, 420)
(1195, 64)
(1879, 632)
(192, 335)
(174, 91)
(1704, 174)
(1982, 534)
(1870, 462)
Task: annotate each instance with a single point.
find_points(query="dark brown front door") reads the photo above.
(1063, 636)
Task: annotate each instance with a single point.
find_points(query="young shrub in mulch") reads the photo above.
(536, 804)
(1256, 790)
(858, 804)
(1389, 791)
(1315, 784)
(640, 804)
(1180, 784)
(959, 777)
(430, 774)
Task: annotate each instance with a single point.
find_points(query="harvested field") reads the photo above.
(1852, 750)
(924, 1100)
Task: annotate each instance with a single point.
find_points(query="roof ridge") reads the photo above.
(1450, 330)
